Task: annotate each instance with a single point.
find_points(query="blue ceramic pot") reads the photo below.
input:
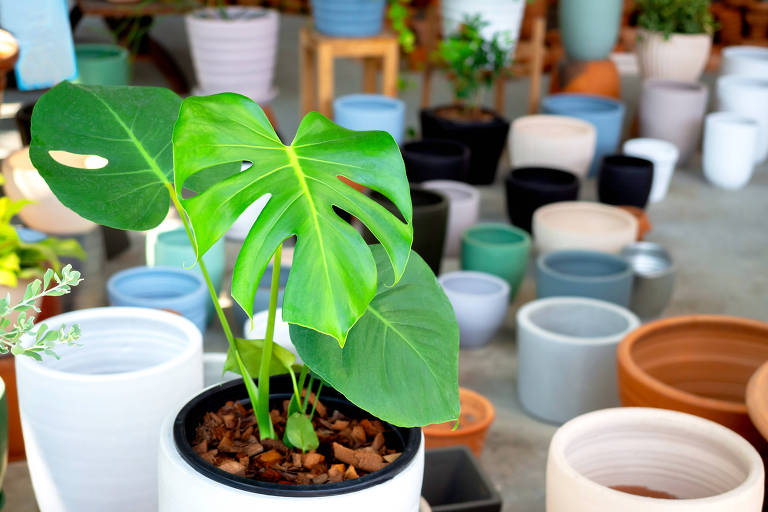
(371, 112)
(348, 18)
(606, 114)
(261, 299)
(175, 289)
(589, 28)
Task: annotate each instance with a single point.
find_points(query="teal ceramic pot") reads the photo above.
(498, 249)
(102, 64)
(3, 439)
(589, 28)
(172, 249)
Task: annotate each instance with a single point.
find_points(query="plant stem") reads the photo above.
(266, 355)
(314, 403)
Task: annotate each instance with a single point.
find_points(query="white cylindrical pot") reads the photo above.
(664, 156)
(706, 466)
(257, 329)
(213, 369)
(92, 419)
(729, 141)
(747, 96)
(744, 60)
(236, 54)
(679, 57)
(566, 355)
(463, 210)
(503, 17)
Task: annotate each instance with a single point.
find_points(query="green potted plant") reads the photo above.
(377, 336)
(674, 38)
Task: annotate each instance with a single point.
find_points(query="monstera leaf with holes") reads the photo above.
(333, 276)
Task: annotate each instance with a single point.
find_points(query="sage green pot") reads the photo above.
(102, 64)
(3, 440)
(589, 28)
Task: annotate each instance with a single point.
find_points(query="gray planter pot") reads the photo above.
(654, 278)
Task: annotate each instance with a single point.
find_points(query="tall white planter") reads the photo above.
(91, 420)
(236, 54)
(664, 156)
(680, 57)
(463, 210)
(747, 96)
(503, 16)
(729, 142)
(744, 60)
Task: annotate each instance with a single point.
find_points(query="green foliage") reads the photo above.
(398, 14)
(300, 433)
(676, 16)
(251, 350)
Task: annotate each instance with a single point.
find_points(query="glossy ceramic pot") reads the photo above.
(664, 156)
(348, 18)
(729, 146)
(435, 159)
(748, 97)
(463, 210)
(625, 180)
(498, 249)
(364, 112)
(503, 17)
(677, 57)
(589, 28)
(744, 60)
(654, 278)
(477, 414)
(102, 64)
(529, 188)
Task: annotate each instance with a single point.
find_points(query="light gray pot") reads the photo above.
(654, 278)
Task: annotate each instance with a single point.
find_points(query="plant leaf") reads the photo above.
(300, 433)
(331, 260)
(400, 362)
(251, 352)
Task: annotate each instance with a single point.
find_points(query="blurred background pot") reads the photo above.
(477, 414)
(362, 112)
(654, 278)
(589, 28)
(3, 438)
(643, 223)
(24, 123)
(529, 188)
(677, 57)
(213, 369)
(454, 480)
(102, 64)
(503, 17)
(747, 97)
(625, 180)
(348, 18)
(757, 399)
(463, 210)
(9, 54)
(664, 156)
(744, 60)
(435, 159)
(261, 299)
(729, 146)
(498, 249)
(258, 329)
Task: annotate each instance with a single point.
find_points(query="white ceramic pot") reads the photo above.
(503, 16)
(664, 156)
(566, 355)
(258, 329)
(480, 302)
(729, 142)
(680, 57)
(748, 97)
(582, 225)
(236, 54)
(744, 60)
(463, 210)
(46, 214)
(559, 142)
(213, 369)
(706, 466)
(91, 420)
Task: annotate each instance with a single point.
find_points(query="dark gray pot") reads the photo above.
(654, 279)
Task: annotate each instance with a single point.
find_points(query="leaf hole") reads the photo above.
(90, 162)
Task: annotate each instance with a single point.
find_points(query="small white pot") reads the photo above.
(748, 97)
(502, 16)
(236, 54)
(480, 302)
(258, 329)
(91, 420)
(744, 60)
(463, 210)
(681, 57)
(664, 156)
(729, 142)
(240, 228)
(708, 467)
(213, 369)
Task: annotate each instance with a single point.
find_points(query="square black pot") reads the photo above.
(454, 482)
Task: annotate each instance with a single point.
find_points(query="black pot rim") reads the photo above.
(564, 179)
(411, 439)
(496, 120)
(627, 162)
(440, 204)
(462, 151)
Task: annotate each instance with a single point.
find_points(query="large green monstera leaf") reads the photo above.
(333, 276)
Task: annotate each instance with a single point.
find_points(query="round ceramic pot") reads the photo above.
(656, 368)
(625, 180)
(213, 369)
(636, 459)
(664, 156)
(606, 114)
(11, 397)
(757, 399)
(566, 355)
(188, 483)
(257, 329)
(595, 77)
(463, 210)
(529, 188)
(744, 60)
(102, 64)
(107, 396)
(678, 57)
(24, 123)
(435, 159)
(729, 147)
(673, 111)
(560, 142)
(348, 18)
(236, 54)
(748, 97)
(503, 17)
(643, 223)
(3, 438)
(591, 274)
(589, 28)
(9, 54)
(175, 289)
(498, 249)
(261, 299)
(485, 140)
(364, 112)
(582, 225)
(480, 302)
(477, 414)
(654, 278)
(45, 213)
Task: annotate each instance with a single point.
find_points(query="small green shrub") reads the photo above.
(676, 16)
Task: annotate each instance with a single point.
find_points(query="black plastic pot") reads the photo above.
(454, 482)
(435, 159)
(405, 439)
(529, 188)
(625, 180)
(24, 123)
(485, 140)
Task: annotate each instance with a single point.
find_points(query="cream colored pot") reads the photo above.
(680, 57)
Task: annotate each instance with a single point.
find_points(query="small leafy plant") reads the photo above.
(675, 16)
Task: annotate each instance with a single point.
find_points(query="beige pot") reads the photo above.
(680, 57)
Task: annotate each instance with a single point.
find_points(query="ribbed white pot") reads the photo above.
(236, 54)
(748, 97)
(503, 16)
(729, 142)
(744, 60)
(91, 420)
(706, 466)
(664, 156)
(680, 57)
(463, 210)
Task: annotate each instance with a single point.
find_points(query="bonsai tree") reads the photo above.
(675, 16)
(371, 321)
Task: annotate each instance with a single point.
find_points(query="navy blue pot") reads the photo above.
(348, 18)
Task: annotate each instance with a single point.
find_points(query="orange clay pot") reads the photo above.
(15, 439)
(699, 364)
(643, 224)
(586, 77)
(476, 416)
(757, 399)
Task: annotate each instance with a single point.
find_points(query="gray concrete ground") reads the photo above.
(718, 238)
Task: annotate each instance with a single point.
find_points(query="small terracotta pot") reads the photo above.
(757, 399)
(643, 223)
(477, 414)
(586, 77)
(15, 439)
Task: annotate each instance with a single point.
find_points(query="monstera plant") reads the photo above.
(370, 321)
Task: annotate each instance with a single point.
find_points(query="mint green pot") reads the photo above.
(498, 249)
(589, 28)
(3, 440)
(102, 64)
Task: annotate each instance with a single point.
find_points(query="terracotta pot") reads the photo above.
(643, 223)
(477, 414)
(757, 399)
(15, 439)
(698, 364)
(599, 77)
(680, 57)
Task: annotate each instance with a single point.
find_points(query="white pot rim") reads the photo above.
(503, 286)
(748, 82)
(577, 127)
(525, 239)
(660, 149)
(459, 186)
(733, 118)
(746, 50)
(543, 262)
(680, 87)
(268, 15)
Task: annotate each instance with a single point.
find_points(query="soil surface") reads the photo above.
(639, 490)
(349, 448)
(462, 115)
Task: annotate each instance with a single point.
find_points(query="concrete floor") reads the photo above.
(718, 239)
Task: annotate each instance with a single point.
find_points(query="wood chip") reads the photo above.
(275, 444)
(253, 449)
(378, 442)
(232, 466)
(312, 459)
(350, 473)
(372, 427)
(320, 479)
(365, 460)
(392, 457)
(270, 457)
(336, 473)
(339, 425)
(201, 447)
(358, 434)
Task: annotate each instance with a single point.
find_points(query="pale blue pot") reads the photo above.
(589, 28)
(364, 112)
(348, 18)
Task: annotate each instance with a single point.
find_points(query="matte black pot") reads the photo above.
(485, 140)
(529, 188)
(435, 159)
(625, 180)
(455, 482)
(24, 123)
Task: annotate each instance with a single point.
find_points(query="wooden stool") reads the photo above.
(317, 53)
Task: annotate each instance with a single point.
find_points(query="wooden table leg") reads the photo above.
(370, 70)
(325, 80)
(307, 74)
(390, 70)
